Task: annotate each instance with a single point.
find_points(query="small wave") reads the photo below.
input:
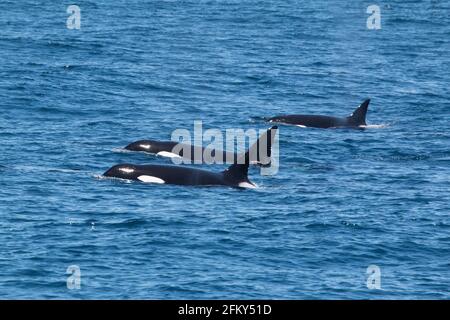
(121, 150)
(320, 226)
(25, 168)
(129, 223)
(69, 66)
(57, 110)
(114, 179)
(64, 170)
(257, 119)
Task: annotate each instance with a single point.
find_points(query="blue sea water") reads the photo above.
(341, 201)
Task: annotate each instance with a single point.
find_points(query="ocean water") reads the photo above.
(342, 200)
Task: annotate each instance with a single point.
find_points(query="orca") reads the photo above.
(173, 149)
(234, 176)
(356, 120)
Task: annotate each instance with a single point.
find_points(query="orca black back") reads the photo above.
(259, 154)
(356, 120)
(235, 175)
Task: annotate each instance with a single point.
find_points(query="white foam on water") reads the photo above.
(121, 150)
(375, 126)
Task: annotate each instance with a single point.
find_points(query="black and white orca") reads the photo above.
(356, 120)
(172, 149)
(234, 176)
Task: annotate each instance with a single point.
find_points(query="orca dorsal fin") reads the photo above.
(238, 172)
(358, 117)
